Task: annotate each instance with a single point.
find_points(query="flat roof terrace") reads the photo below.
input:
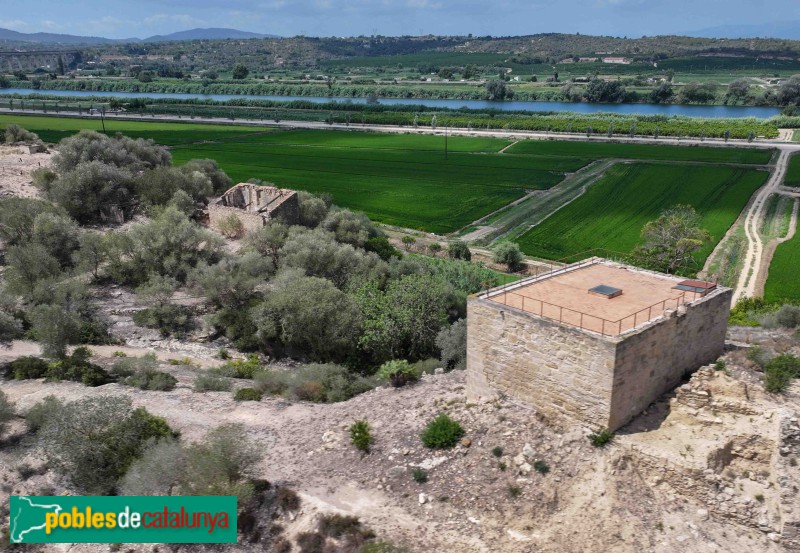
(598, 295)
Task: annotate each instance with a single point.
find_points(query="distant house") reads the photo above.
(621, 61)
(587, 60)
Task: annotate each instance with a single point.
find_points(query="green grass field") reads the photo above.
(612, 212)
(600, 150)
(396, 179)
(53, 129)
(793, 172)
(782, 282)
(405, 179)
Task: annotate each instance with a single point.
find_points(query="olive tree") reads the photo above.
(120, 151)
(91, 191)
(17, 216)
(349, 227)
(313, 209)
(509, 254)
(669, 242)
(58, 234)
(308, 315)
(220, 181)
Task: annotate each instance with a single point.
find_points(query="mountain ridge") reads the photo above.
(210, 33)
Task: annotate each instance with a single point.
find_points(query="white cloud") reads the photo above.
(14, 24)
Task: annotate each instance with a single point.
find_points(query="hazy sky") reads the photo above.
(141, 18)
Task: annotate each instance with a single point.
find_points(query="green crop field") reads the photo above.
(53, 129)
(613, 211)
(782, 282)
(602, 150)
(405, 179)
(396, 179)
(793, 172)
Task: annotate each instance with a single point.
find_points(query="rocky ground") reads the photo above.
(711, 468)
(16, 166)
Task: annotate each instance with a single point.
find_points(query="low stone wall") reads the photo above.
(250, 221)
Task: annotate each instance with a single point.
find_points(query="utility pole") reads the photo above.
(445, 142)
(103, 118)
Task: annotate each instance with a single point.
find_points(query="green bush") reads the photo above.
(211, 383)
(497, 451)
(780, 371)
(77, 368)
(360, 435)
(28, 367)
(541, 467)
(441, 433)
(127, 366)
(168, 319)
(601, 438)
(239, 368)
(788, 316)
(759, 356)
(247, 394)
(398, 372)
(320, 383)
(6, 410)
(93, 441)
(37, 415)
(151, 380)
(419, 475)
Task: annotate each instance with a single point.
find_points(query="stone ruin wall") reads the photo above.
(288, 209)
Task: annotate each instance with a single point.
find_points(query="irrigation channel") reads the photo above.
(580, 107)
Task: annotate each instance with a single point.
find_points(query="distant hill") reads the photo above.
(191, 34)
(51, 38)
(207, 34)
(789, 30)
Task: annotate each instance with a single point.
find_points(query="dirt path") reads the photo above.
(750, 275)
(507, 147)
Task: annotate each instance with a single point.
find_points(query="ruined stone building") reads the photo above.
(254, 205)
(595, 342)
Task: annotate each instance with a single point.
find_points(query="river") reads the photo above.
(642, 109)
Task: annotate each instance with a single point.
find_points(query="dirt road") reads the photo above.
(749, 277)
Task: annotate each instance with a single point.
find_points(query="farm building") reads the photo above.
(595, 341)
(254, 205)
(618, 60)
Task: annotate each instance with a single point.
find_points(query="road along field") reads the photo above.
(613, 211)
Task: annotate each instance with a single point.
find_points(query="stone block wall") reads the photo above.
(560, 370)
(602, 381)
(654, 359)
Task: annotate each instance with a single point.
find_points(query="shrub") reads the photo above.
(93, 441)
(788, 316)
(601, 438)
(28, 367)
(231, 226)
(77, 368)
(398, 372)
(441, 433)
(497, 451)
(287, 499)
(151, 380)
(720, 365)
(272, 382)
(452, 342)
(239, 368)
(37, 415)
(211, 383)
(459, 250)
(419, 475)
(309, 390)
(6, 410)
(780, 371)
(247, 394)
(759, 356)
(509, 254)
(541, 467)
(127, 366)
(514, 490)
(168, 319)
(360, 435)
